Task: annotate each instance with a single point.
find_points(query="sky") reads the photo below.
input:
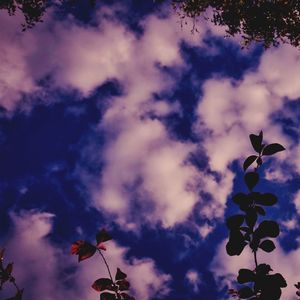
(119, 117)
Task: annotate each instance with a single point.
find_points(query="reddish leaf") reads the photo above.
(103, 236)
(2, 254)
(120, 275)
(102, 284)
(83, 249)
(9, 269)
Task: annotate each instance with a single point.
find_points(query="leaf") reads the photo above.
(263, 269)
(123, 284)
(245, 275)
(102, 284)
(103, 236)
(267, 246)
(272, 149)
(83, 249)
(266, 199)
(260, 210)
(267, 229)
(127, 297)
(236, 243)
(18, 296)
(9, 269)
(108, 296)
(120, 275)
(256, 141)
(249, 161)
(234, 222)
(245, 292)
(241, 198)
(251, 217)
(259, 161)
(278, 280)
(251, 179)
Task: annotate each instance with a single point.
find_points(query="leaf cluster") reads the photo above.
(265, 21)
(109, 289)
(246, 230)
(6, 276)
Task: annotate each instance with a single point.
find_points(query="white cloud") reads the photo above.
(297, 201)
(41, 268)
(194, 279)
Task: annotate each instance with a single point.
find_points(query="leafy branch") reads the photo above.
(6, 276)
(244, 230)
(109, 288)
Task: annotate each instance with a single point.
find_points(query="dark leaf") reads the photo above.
(251, 179)
(263, 269)
(256, 141)
(267, 229)
(249, 161)
(260, 210)
(267, 246)
(103, 236)
(108, 296)
(254, 243)
(267, 199)
(234, 222)
(120, 275)
(127, 297)
(236, 243)
(245, 229)
(18, 296)
(245, 275)
(278, 280)
(102, 284)
(123, 284)
(245, 292)
(83, 249)
(9, 269)
(241, 199)
(251, 217)
(272, 149)
(259, 161)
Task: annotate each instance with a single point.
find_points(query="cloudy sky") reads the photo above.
(119, 117)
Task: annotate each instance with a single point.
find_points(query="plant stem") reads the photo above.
(255, 259)
(106, 265)
(116, 291)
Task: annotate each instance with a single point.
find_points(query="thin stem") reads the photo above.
(255, 259)
(116, 291)
(106, 265)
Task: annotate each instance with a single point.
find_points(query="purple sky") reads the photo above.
(130, 122)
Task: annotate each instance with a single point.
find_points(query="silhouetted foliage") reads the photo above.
(33, 10)
(268, 21)
(245, 230)
(109, 288)
(6, 276)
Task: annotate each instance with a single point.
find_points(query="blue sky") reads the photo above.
(121, 118)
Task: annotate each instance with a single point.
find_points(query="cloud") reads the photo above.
(225, 268)
(194, 280)
(43, 269)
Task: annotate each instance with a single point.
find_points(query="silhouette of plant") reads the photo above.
(6, 276)
(110, 289)
(265, 21)
(246, 231)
